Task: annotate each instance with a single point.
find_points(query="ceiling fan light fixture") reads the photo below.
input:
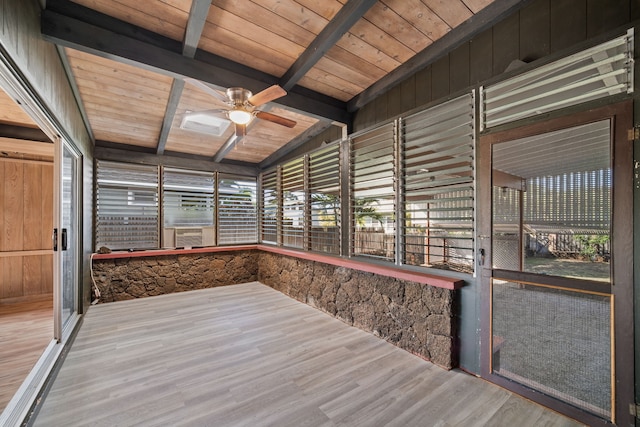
(240, 117)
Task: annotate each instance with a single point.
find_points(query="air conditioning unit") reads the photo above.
(188, 237)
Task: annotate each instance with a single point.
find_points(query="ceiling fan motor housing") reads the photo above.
(239, 96)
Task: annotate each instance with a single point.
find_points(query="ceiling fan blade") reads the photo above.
(275, 119)
(269, 94)
(208, 89)
(241, 130)
(212, 111)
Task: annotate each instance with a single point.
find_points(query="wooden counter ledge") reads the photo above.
(389, 271)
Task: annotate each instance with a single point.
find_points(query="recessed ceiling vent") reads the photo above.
(204, 123)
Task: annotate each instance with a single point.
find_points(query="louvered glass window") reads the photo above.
(187, 198)
(293, 204)
(601, 71)
(438, 163)
(187, 208)
(324, 193)
(269, 216)
(126, 206)
(372, 201)
(237, 211)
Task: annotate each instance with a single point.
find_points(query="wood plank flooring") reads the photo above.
(26, 328)
(247, 355)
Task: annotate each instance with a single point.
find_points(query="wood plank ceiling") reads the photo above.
(129, 61)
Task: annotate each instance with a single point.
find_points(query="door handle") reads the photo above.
(54, 237)
(64, 239)
(481, 255)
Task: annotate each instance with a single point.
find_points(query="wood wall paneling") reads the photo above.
(506, 43)
(605, 15)
(32, 275)
(423, 86)
(459, 75)
(440, 78)
(384, 104)
(46, 208)
(634, 11)
(534, 31)
(46, 274)
(481, 58)
(365, 117)
(408, 94)
(2, 207)
(567, 23)
(12, 272)
(13, 206)
(32, 207)
(26, 220)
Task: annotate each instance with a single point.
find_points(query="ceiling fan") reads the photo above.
(243, 105)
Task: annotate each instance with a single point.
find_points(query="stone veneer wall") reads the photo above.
(415, 317)
(136, 277)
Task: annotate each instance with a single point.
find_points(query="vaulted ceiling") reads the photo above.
(138, 67)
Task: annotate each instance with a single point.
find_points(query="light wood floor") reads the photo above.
(246, 355)
(26, 328)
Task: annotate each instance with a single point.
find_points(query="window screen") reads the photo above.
(324, 193)
(293, 204)
(372, 201)
(126, 206)
(438, 146)
(237, 213)
(555, 341)
(269, 217)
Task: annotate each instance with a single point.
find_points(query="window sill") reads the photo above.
(164, 252)
(389, 271)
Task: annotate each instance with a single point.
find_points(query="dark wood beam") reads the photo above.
(195, 25)
(141, 155)
(305, 136)
(481, 21)
(169, 114)
(20, 132)
(96, 35)
(228, 146)
(90, 16)
(348, 15)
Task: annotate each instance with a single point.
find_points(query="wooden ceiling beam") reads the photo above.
(117, 152)
(228, 146)
(348, 15)
(197, 19)
(169, 114)
(476, 24)
(314, 130)
(24, 133)
(68, 24)
(193, 32)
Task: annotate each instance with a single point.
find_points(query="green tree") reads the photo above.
(363, 207)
